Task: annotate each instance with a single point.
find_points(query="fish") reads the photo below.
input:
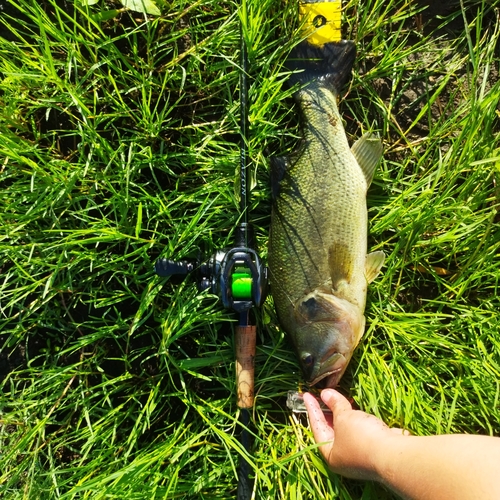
(319, 267)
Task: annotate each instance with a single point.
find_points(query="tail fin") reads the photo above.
(330, 64)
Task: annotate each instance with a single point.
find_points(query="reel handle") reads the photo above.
(167, 267)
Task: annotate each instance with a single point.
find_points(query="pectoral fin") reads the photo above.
(368, 150)
(340, 264)
(373, 265)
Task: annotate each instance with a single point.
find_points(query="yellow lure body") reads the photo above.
(322, 21)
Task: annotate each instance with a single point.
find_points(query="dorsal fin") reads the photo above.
(368, 150)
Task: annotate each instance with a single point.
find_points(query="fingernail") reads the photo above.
(327, 393)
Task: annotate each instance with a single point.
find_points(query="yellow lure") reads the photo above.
(322, 20)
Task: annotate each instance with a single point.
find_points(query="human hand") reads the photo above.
(353, 441)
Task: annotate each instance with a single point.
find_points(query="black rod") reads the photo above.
(244, 121)
(245, 481)
(245, 332)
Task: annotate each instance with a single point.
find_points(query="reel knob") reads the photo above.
(167, 267)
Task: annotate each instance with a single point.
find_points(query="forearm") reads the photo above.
(358, 445)
(441, 467)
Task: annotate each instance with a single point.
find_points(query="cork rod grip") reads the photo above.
(245, 355)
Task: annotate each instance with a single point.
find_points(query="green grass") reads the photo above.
(119, 143)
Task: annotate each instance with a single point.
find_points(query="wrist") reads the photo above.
(387, 456)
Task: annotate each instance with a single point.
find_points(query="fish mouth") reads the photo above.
(330, 378)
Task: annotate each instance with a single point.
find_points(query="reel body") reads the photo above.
(236, 274)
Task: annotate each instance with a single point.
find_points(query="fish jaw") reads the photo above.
(327, 331)
(330, 370)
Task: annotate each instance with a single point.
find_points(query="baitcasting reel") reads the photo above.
(234, 274)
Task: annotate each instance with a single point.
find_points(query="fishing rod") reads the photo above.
(237, 276)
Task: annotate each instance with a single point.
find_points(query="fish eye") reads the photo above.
(308, 359)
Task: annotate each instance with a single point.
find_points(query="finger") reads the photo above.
(335, 401)
(310, 401)
(322, 430)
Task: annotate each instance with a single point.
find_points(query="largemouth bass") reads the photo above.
(318, 262)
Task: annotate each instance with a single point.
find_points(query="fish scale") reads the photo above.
(318, 262)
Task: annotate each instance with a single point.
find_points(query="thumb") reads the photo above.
(335, 401)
